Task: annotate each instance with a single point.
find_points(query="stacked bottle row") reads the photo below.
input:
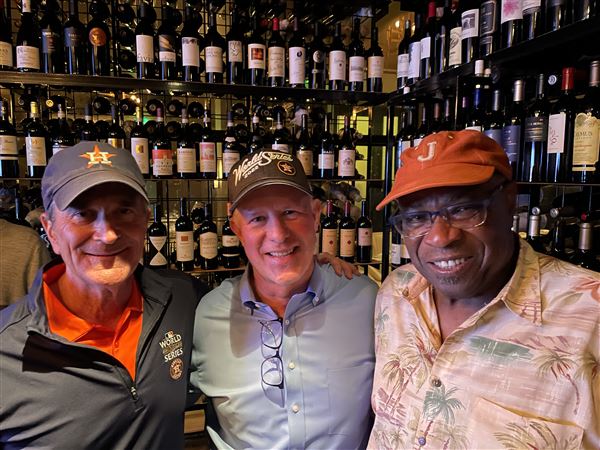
(553, 140)
(175, 50)
(450, 33)
(183, 149)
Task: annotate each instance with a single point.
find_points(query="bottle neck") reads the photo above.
(183, 207)
(363, 209)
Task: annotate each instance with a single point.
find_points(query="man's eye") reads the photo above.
(256, 219)
(464, 210)
(289, 212)
(416, 218)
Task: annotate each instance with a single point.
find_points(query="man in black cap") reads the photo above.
(97, 354)
(284, 351)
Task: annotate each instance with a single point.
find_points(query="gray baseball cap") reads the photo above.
(74, 170)
(265, 168)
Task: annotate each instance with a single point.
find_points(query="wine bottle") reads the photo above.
(297, 58)
(316, 60)
(396, 249)
(98, 39)
(167, 48)
(584, 9)
(28, 40)
(347, 234)
(75, 50)
(558, 14)
(256, 138)
(337, 61)
(584, 255)
(9, 153)
(187, 164)
(511, 132)
(276, 57)
(561, 132)
(476, 116)
(257, 53)
(158, 257)
(326, 157)
(403, 58)
(489, 19)
(533, 231)
(235, 53)
(37, 148)
(329, 229)
(557, 245)
(139, 144)
(280, 135)
(162, 153)
(442, 39)
(423, 128)
(144, 42)
(406, 134)
(347, 152)
(535, 136)
(116, 134)
(231, 147)
(436, 124)
(414, 53)
(207, 149)
(447, 121)
(470, 30)
(207, 241)
(304, 149)
(428, 42)
(52, 56)
(6, 43)
(190, 49)
(586, 141)
(62, 137)
(364, 239)
(455, 50)
(356, 59)
(213, 52)
(184, 238)
(511, 23)
(493, 124)
(88, 131)
(532, 19)
(230, 245)
(374, 63)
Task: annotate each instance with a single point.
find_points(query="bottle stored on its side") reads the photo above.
(511, 23)
(511, 132)
(207, 241)
(257, 55)
(364, 235)
(184, 238)
(337, 61)
(6, 42)
(28, 40)
(347, 152)
(329, 229)
(231, 147)
(98, 39)
(533, 231)
(37, 147)
(162, 152)
(280, 135)
(157, 256)
(535, 136)
(116, 134)
(470, 30)
(230, 247)
(297, 58)
(140, 146)
(207, 149)
(62, 137)
(52, 56)
(9, 153)
(187, 164)
(213, 52)
(190, 48)
(326, 156)
(75, 43)
(304, 149)
(235, 52)
(584, 255)
(347, 234)
(403, 58)
(276, 57)
(489, 27)
(356, 59)
(316, 60)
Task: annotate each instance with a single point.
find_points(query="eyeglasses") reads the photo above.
(462, 215)
(271, 337)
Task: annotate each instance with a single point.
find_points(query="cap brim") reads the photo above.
(263, 183)
(441, 176)
(62, 198)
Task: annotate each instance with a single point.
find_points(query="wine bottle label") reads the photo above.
(139, 150)
(326, 161)
(8, 145)
(365, 237)
(297, 57)
(158, 242)
(72, 37)
(166, 48)
(184, 245)
(230, 241)
(56, 147)
(487, 13)
(318, 58)
(305, 157)
(234, 52)
(556, 132)
(208, 157)
(425, 47)
(337, 65)
(396, 257)
(49, 41)
(536, 129)
(162, 162)
(494, 134)
(511, 138)
(214, 59)
(586, 143)
(117, 143)
(402, 66)
(414, 62)
(473, 127)
(144, 46)
(347, 239)
(281, 147)
(190, 52)
(186, 160)
(511, 10)
(28, 57)
(208, 245)
(531, 6)
(357, 69)
(6, 54)
(26, 6)
(97, 37)
(229, 160)
(346, 160)
(329, 241)
(470, 23)
(276, 61)
(256, 56)
(375, 67)
(35, 150)
(455, 53)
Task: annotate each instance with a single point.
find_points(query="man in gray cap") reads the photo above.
(96, 355)
(285, 351)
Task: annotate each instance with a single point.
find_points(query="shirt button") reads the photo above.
(287, 321)
(405, 292)
(295, 408)
(422, 440)
(292, 366)
(436, 382)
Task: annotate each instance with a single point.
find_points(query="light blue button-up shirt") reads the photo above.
(328, 359)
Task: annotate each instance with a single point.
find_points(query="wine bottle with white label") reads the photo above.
(116, 134)
(427, 42)
(235, 53)
(535, 136)
(532, 19)
(297, 58)
(470, 30)
(374, 63)
(37, 146)
(62, 136)
(347, 234)
(207, 241)
(213, 52)
(511, 23)
(9, 153)
(187, 164)
(403, 58)
(281, 141)
(157, 256)
(6, 42)
(231, 146)
(316, 60)
(337, 61)
(276, 57)
(190, 50)
(356, 59)
(207, 150)
(347, 152)
(326, 151)
(304, 148)
(364, 238)
(184, 238)
(28, 40)
(162, 152)
(257, 55)
(140, 146)
(144, 42)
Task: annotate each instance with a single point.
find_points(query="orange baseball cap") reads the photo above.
(448, 158)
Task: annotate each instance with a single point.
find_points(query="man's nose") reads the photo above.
(277, 230)
(442, 233)
(106, 232)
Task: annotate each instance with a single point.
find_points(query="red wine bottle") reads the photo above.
(230, 245)
(442, 39)
(493, 124)
(231, 147)
(213, 52)
(375, 63)
(207, 150)
(535, 136)
(414, 52)
(235, 52)
(281, 141)
(167, 48)
(116, 134)
(257, 54)
(511, 23)
(304, 149)
(347, 234)
(403, 58)
(489, 27)
(140, 146)
(533, 231)
(511, 132)
(190, 48)
(99, 38)
(52, 55)
(329, 229)
(184, 238)
(347, 152)
(28, 40)
(326, 156)
(276, 57)
(558, 14)
(364, 238)
(532, 19)
(187, 164)
(62, 136)
(162, 153)
(37, 147)
(297, 58)
(207, 241)
(9, 153)
(356, 59)
(585, 256)
(75, 42)
(316, 60)
(144, 41)
(6, 43)
(470, 30)
(157, 256)
(337, 61)
(428, 42)
(88, 130)
(455, 50)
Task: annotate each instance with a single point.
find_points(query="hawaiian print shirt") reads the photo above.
(521, 373)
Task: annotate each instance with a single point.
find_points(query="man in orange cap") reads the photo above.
(481, 342)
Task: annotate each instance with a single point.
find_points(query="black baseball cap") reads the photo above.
(265, 168)
(74, 170)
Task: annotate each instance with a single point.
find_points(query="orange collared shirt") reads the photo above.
(121, 342)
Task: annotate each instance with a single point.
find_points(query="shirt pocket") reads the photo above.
(493, 426)
(349, 391)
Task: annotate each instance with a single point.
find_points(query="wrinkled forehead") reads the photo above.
(441, 196)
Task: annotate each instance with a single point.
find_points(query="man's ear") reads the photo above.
(49, 227)
(316, 210)
(233, 222)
